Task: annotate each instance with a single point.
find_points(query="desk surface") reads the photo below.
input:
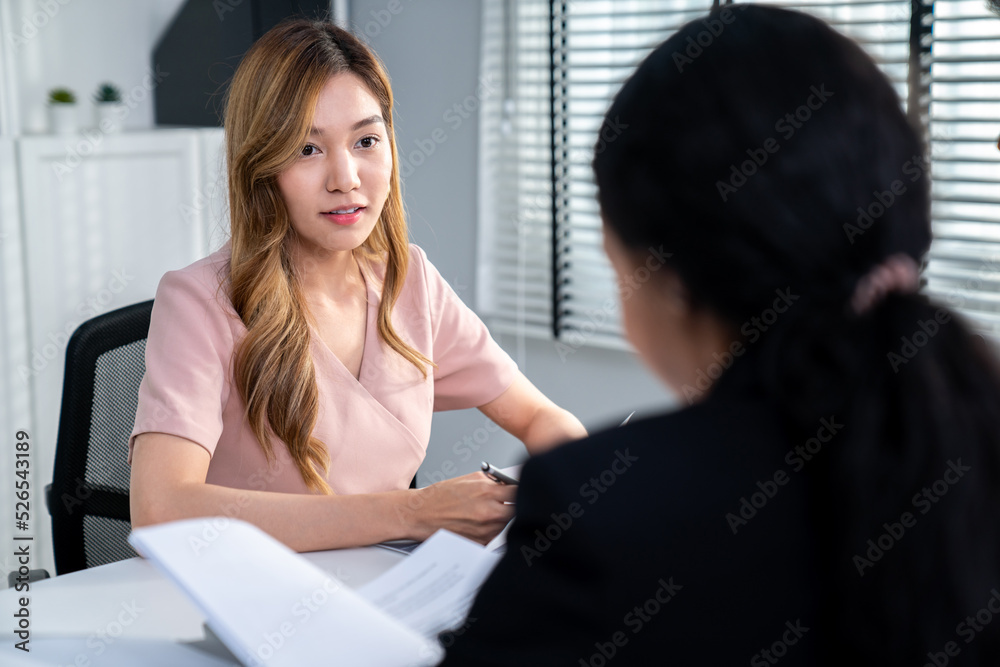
(130, 602)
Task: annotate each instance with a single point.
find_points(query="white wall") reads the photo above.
(431, 50)
(79, 44)
(88, 213)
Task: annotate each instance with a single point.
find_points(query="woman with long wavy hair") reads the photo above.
(830, 493)
(291, 376)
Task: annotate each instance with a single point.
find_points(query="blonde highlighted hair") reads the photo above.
(269, 111)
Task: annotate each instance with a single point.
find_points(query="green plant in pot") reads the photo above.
(62, 111)
(110, 110)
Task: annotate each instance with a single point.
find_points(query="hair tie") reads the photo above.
(897, 273)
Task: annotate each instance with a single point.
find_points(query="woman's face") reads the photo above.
(335, 189)
(650, 324)
(673, 339)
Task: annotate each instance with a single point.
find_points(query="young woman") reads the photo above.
(291, 376)
(833, 496)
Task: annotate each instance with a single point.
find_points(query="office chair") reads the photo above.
(88, 497)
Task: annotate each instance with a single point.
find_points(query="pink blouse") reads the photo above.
(376, 428)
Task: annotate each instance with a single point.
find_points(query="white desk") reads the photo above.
(127, 613)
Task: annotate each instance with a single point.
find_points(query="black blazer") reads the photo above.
(682, 539)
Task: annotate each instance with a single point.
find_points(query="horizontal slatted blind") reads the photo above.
(964, 266)
(603, 42)
(515, 194)
(536, 277)
(543, 270)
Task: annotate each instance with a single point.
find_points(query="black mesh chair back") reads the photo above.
(88, 499)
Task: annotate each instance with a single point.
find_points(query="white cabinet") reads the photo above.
(101, 219)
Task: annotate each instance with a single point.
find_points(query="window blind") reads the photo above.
(598, 45)
(560, 63)
(964, 264)
(542, 270)
(515, 194)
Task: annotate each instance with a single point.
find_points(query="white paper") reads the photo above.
(270, 606)
(432, 589)
(498, 544)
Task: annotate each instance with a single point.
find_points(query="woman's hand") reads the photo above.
(471, 505)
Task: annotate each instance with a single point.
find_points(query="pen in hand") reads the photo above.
(497, 476)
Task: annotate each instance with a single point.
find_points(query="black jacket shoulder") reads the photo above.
(678, 539)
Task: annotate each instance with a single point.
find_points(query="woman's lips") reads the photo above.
(344, 218)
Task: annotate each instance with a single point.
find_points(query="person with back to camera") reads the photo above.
(291, 376)
(833, 497)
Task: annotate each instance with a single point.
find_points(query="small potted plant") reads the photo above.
(62, 111)
(110, 110)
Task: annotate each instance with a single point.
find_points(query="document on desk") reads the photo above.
(432, 589)
(269, 605)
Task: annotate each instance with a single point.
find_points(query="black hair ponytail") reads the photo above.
(780, 159)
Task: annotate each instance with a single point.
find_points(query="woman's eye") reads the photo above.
(369, 142)
(309, 149)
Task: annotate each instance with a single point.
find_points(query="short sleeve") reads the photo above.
(472, 369)
(188, 354)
